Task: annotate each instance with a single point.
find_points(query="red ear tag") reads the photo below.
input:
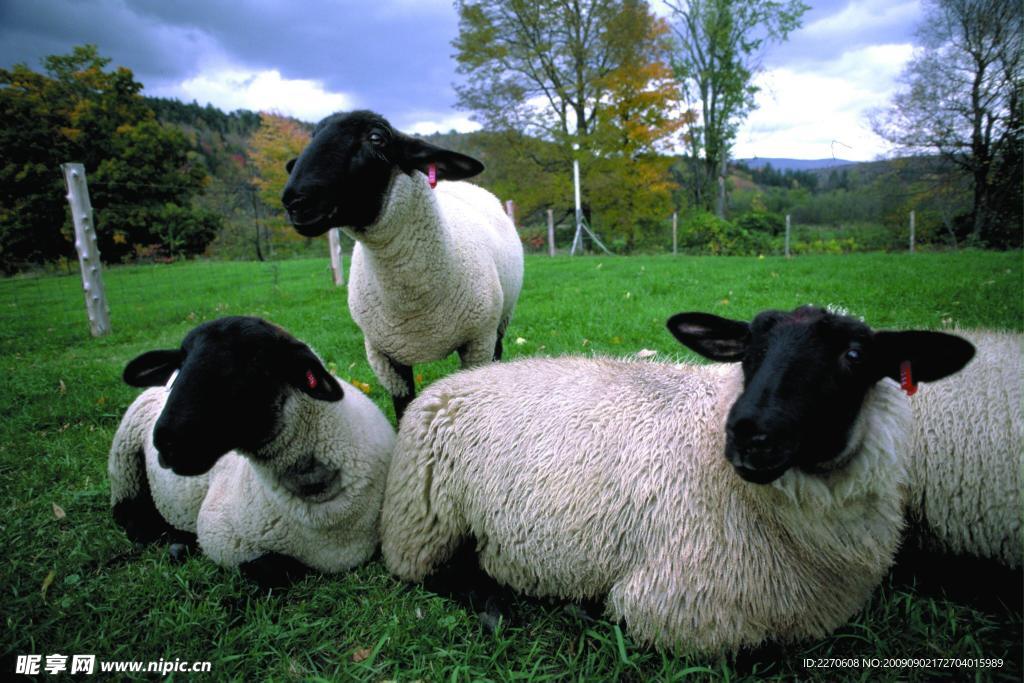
(906, 379)
(432, 175)
(310, 379)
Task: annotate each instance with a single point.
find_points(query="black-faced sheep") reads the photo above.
(434, 270)
(247, 440)
(591, 478)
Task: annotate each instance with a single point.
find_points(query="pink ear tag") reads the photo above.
(906, 379)
(310, 379)
(432, 175)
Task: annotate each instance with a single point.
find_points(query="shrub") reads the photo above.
(705, 233)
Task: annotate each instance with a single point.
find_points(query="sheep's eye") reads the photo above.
(376, 138)
(852, 355)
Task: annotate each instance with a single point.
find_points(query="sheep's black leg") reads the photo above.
(462, 579)
(274, 570)
(138, 516)
(401, 402)
(501, 335)
(497, 345)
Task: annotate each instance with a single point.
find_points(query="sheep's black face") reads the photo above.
(806, 374)
(343, 175)
(233, 377)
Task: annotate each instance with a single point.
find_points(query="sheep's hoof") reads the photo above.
(496, 613)
(274, 570)
(177, 553)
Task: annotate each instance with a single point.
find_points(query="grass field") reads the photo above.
(73, 584)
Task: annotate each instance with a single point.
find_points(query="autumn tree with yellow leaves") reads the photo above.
(277, 140)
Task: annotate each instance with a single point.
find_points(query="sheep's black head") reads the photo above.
(342, 176)
(806, 374)
(234, 376)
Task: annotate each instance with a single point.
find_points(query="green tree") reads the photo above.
(551, 74)
(719, 52)
(962, 101)
(77, 110)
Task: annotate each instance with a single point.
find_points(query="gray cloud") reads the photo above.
(393, 56)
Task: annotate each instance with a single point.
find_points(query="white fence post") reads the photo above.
(88, 251)
(551, 232)
(675, 227)
(787, 235)
(337, 267)
(911, 232)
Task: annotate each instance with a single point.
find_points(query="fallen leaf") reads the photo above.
(724, 302)
(362, 386)
(520, 341)
(646, 353)
(419, 377)
(58, 511)
(616, 340)
(361, 655)
(62, 387)
(47, 581)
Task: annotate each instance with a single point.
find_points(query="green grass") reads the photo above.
(62, 398)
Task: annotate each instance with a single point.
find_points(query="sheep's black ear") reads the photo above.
(290, 164)
(932, 355)
(418, 155)
(711, 336)
(153, 368)
(306, 373)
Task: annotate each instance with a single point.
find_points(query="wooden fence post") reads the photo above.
(787, 235)
(88, 251)
(675, 227)
(337, 267)
(510, 209)
(551, 232)
(911, 232)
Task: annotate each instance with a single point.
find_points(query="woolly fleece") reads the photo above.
(965, 464)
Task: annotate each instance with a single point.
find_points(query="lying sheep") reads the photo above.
(275, 464)
(587, 478)
(965, 473)
(434, 270)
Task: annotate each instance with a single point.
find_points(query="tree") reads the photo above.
(720, 44)
(568, 72)
(962, 100)
(277, 140)
(637, 124)
(79, 111)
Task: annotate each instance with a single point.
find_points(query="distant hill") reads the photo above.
(783, 164)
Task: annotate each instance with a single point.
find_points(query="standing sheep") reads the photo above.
(597, 478)
(254, 446)
(434, 270)
(965, 469)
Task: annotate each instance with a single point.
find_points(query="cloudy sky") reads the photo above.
(308, 58)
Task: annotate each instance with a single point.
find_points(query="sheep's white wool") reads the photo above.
(586, 478)
(966, 453)
(439, 271)
(248, 506)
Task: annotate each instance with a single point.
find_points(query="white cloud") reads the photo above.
(801, 112)
(443, 124)
(235, 88)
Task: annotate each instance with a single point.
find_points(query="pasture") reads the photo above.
(73, 584)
